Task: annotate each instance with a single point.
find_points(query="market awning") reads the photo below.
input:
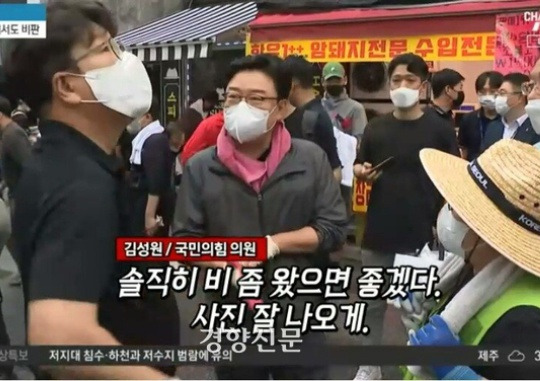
(187, 33)
(433, 19)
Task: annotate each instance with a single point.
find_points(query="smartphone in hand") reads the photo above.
(383, 164)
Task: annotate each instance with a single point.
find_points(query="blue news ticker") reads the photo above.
(23, 12)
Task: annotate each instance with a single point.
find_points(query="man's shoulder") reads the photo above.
(356, 105)
(13, 130)
(381, 120)
(307, 149)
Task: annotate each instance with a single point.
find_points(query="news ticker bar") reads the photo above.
(316, 354)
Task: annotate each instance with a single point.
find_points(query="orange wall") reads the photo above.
(470, 70)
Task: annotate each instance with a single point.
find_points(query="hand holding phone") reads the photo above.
(383, 164)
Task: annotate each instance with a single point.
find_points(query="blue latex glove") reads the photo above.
(436, 333)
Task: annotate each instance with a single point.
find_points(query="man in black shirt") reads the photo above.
(151, 191)
(69, 212)
(403, 204)
(448, 95)
(310, 107)
(473, 125)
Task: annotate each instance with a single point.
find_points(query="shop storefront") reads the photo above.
(175, 47)
(460, 35)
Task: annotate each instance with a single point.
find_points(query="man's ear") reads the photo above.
(61, 85)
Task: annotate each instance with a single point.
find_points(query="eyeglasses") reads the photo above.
(528, 87)
(111, 45)
(252, 100)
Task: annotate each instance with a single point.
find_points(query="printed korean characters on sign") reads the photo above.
(360, 196)
(462, 47)
(518, 42)
(23, 21)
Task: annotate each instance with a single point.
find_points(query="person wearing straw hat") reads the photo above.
(495, 203)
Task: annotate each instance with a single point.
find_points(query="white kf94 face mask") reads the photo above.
(245, 122)
(404, 97)
(451, 232)
(123, 87)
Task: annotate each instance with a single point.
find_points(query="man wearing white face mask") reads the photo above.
(473, 125)
(257, 181)
(70, 197)
(403, 204)
(510, 104)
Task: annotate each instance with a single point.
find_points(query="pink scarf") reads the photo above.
(252, 171)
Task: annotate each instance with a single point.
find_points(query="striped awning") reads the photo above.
(187, 33)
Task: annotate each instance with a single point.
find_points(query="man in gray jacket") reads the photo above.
(347, 114)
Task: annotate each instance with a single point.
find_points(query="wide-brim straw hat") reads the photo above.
(509, 171)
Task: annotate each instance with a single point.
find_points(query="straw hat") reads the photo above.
(498, 196)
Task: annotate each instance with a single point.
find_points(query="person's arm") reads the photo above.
(20, 147)
(70, 270)
(157, 170)
(363, 163)
(450, 142)
(327, 232)
(326, 139)
(359, 121)
(463, 137)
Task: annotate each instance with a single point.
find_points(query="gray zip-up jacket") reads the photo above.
(302, 192)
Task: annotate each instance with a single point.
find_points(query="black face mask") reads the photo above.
(456, 103)
(334, 90)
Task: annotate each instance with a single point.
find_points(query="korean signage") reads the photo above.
(360, 196)
(172, 94)
(518, 42)
(23, 21)
(455, 47)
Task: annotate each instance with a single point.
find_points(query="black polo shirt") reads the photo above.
(69, 213)
(436, 110)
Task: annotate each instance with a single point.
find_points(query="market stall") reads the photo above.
(176, 49)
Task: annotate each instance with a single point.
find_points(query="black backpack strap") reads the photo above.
(309, 119)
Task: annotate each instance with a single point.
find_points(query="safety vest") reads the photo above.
(525, 291)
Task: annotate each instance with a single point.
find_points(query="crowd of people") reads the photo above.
(272, 164)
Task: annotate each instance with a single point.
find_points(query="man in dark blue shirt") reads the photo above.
(473, 125)
(310, 107)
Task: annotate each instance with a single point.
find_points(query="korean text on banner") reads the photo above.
(458, 47)
(518, 42)
(23, 21)
(361, 194)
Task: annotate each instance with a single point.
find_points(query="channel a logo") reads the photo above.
(533, 39)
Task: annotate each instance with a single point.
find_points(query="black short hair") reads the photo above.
(415, 64)
(154, 111)
(516, 79)
(443, 78)
(211, 96)
(189, 121)
(300, 69)
(268, 64)
(31, 63)
(495, 80)
(5, 106)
